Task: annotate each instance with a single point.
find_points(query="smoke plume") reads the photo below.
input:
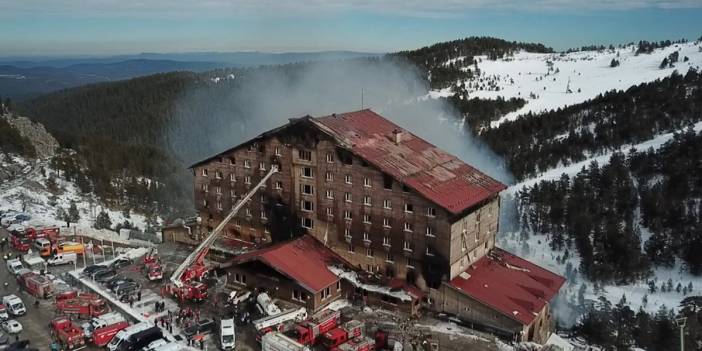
(227, 110)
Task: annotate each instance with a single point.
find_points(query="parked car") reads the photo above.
(11, 326)
(204, 326)
(113, 283)
(127, 289)
(4, 339)
(120, 262)
(23, 217)
(103, 276)
(88, 271)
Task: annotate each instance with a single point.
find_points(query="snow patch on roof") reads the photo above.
(353, 278)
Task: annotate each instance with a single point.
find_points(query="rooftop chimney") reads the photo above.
(397, 136)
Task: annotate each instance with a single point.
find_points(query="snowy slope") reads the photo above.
(30, 188)
(589, 73)
(535, 248)
(574, 168)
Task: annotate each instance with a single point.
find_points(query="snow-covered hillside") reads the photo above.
(28, 190)
(574, 168)
(542, 79)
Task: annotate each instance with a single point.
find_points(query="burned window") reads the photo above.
(307, 206)
(345, 157)
(307, 223)
(306, 172)
(431, 211)
(387, 182)
(304, 155)
(306, 189)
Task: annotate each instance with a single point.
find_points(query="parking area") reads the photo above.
(41, 312)
(35, 324)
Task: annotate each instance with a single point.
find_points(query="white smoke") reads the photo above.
(213, 117)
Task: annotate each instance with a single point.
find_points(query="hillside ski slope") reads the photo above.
(542, 79)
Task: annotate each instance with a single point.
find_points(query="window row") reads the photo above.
(368, 201)
(220, 175)
(389, 256)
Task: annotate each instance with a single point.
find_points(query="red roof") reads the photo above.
(303, 260)
(510, 284)
(437, 175)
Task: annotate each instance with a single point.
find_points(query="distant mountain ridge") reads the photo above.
(236, 58)
(21, 78)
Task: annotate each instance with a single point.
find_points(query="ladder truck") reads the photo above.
(186, 281)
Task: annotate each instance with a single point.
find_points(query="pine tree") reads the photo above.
(72, 215)
(103, 221)
(664, 63)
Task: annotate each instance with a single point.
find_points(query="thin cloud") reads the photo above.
(286, 8)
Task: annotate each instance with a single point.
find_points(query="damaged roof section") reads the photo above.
(304, 260)
(437, 175)
(510, 284)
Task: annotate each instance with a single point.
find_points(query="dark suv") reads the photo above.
(102, 276)
(120, 262)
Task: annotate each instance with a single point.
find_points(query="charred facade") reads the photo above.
(383, 200)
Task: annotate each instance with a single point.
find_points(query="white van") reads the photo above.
(227, 336)
(63, 258)
(14, 265)
(101, 322)
(14, 305)
(124, 334)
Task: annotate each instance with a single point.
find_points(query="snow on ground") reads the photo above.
(536, 249)
(352, 277)
(449, 328)
(588, 72)
(30, 188)
(602, 159)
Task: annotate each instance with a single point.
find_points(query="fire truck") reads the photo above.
(84, 305)
(103, 335)
(186, 281)
(50, 233)
(38, 285)
(67, 333)
(275, 322)
(153, 271)
(307, 332)
(337, 336)
(360, 343)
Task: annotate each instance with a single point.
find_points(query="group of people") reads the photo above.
(184, 318)
(187, 317)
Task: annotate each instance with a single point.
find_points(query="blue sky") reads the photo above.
(107, 27)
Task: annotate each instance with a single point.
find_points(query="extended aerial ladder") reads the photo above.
(193, 267)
